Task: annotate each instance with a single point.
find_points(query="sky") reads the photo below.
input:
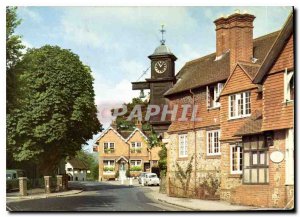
(116, 41)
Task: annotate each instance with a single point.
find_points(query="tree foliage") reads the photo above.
(56, 113)
(13, 54)
(92, 163)
(124, 124)
(162, 162)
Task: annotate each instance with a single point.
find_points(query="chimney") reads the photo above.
(139, 125)
(114, 124)
(235, 33)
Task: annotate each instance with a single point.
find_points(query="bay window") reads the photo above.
(183, 145)
(256, 160)
(213, 143)
(239, 105)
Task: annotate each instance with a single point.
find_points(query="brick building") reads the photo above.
(120, 151)
(244, 137)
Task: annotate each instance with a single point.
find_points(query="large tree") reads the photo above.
(13, 54)
(56, 113)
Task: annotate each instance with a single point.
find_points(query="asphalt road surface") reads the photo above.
(96, 197)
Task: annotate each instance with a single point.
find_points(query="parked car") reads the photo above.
(151, 179)
(12, 179)
(141, 176)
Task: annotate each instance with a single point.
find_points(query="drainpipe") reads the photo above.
(194, 130)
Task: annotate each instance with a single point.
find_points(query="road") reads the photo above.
(97, 197)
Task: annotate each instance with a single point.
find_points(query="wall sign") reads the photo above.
(276, 156)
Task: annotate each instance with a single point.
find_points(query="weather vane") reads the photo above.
(162, 41)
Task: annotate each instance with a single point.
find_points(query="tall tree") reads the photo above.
(13, 54)
(56, 114)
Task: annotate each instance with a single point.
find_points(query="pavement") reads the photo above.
(39, 193)
(197, 204)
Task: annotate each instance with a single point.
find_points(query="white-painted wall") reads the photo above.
(80, 175)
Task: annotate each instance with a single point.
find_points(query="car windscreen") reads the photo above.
(153, 176)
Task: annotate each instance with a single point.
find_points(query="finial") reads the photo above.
(162, 41)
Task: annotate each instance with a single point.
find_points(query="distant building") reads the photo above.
(121, 151)
(76, 170)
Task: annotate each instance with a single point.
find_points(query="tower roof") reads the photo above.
(162, 50)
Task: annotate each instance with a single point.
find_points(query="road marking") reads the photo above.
(9, 209)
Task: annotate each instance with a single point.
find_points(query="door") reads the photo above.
(122, 171)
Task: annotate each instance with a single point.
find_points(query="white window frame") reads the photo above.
(217, 90)
(182, 144)
(287, 78)
(134, 145)
(289, 157)
(109, 164)
(239, 152)
(135, 163)
(213, 153)
(239, 97)
(109, 145)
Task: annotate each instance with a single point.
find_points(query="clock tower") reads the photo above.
(162, 79)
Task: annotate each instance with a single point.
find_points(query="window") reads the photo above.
(69, 169)
(183, 145)
(136, 147)
(135, 162)
(109, 163)
(236, 159)
(289, 86)
(213, 143)
(255, 160)
(289, 159)
(212, 94)
(239, 105)
(109, 147)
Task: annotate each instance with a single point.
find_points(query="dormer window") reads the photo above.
(289, 86)
(212, 94)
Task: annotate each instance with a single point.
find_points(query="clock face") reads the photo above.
(160, 66)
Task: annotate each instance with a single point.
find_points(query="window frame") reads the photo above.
(239, 110)
(135, 145)
(109, 146)
(217, 88)
(240, 152)
(109, 164)
(185, 146)
(286, 85)
(289, 157)
(135, 163)
(213, 144)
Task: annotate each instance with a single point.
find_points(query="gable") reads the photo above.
(137, 136)
(238, 81)
(110, 135)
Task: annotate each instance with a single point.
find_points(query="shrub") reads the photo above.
(135, 168)
(117, 174)
(107, 168)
